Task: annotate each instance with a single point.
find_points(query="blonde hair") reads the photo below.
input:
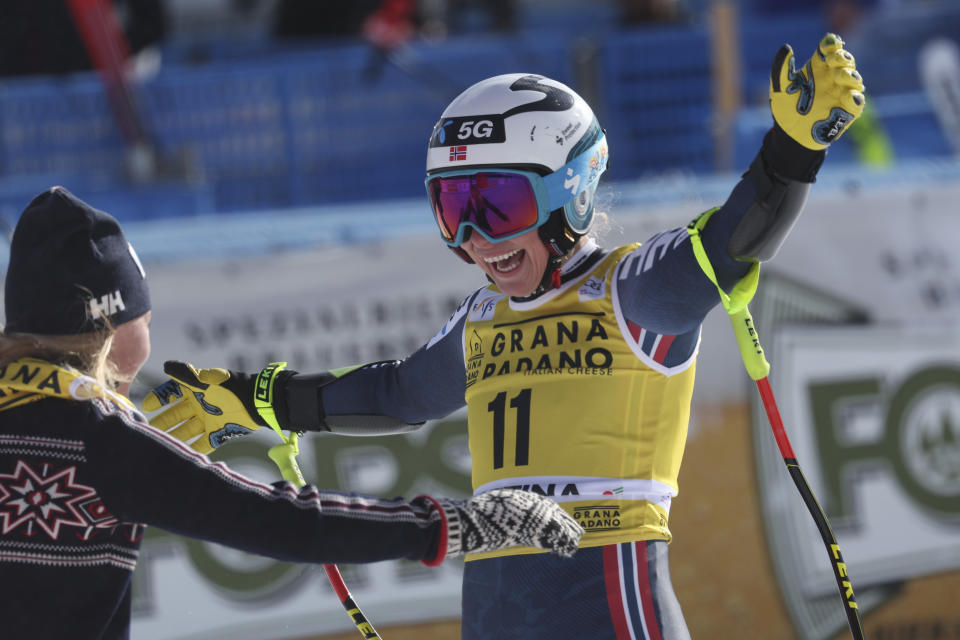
(87, 353)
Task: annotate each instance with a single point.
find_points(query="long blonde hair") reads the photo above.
(87, 353)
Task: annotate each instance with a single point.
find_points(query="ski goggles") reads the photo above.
(501, 204)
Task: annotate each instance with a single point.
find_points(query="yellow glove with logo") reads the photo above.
(203, 407)
(815, 104)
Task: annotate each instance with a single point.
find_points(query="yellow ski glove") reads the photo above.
(203, 407)
(815, 104)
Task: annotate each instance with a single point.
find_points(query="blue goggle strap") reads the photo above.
(564, 184)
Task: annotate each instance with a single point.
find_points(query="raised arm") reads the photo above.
(812, 106)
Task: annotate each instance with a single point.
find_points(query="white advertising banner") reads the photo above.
(875, 423)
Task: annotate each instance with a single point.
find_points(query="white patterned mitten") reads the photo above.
(509, 518)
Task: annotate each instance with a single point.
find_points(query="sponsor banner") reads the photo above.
(319, 310)
(873, 415)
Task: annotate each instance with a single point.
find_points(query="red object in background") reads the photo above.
(391, 25)
(107, 46)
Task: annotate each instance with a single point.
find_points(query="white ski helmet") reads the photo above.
(526, 121)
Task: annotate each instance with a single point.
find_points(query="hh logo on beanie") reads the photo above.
(110, 304)
(107, 305)
(71, 269)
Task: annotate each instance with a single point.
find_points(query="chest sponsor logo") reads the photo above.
(592, 289)
(550, 489)
(484, 306)
(603, 517)
(568, 346)
(474, 346)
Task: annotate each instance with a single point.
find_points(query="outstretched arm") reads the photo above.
(381, 397)
(159, 481)
(811, 106)
(207, 407)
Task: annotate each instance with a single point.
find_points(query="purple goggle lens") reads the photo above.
(496, 204)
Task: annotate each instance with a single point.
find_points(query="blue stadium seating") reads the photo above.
(270, 126)
(760, 38)
(656, 103)
(58, 125)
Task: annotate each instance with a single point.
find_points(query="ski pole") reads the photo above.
(758, 368)
(754, 360)
(284, 455)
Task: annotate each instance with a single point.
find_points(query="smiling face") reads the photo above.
(516, 265)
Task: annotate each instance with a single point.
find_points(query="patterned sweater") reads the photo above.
(79, 480)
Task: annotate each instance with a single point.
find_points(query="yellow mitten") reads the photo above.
(214, 404)
(814, 105)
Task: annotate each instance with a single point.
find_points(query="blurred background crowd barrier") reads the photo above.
(267, 159)
(225, 119)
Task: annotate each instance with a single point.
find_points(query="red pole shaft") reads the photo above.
(776, 422)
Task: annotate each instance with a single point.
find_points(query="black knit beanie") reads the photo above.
(70, 268)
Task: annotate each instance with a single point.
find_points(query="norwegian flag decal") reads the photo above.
(458, 153)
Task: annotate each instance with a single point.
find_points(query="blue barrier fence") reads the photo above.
(294, 127)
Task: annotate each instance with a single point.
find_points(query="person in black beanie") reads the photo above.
(82, 472)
